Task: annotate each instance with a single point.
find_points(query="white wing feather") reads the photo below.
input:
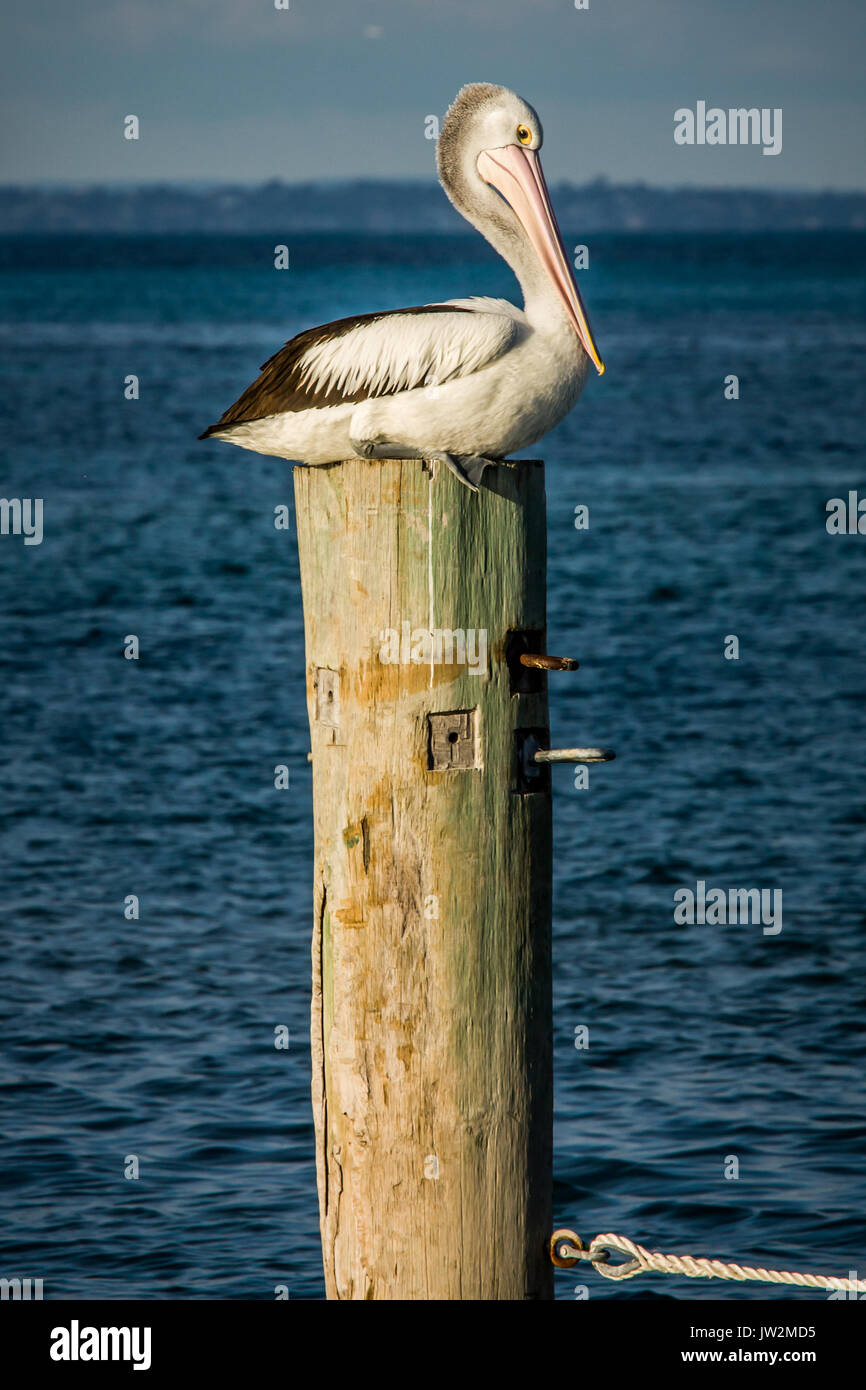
(399, 352)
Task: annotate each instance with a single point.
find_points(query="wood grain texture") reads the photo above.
(431, 1018)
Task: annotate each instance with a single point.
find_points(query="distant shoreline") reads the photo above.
(379, 206)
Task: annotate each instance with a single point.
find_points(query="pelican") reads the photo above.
(466, 381)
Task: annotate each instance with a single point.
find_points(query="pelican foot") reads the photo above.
(468, 467)
(384, 449)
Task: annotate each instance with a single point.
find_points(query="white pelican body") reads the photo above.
(466, 381)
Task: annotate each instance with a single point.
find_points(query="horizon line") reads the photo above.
(598, 182)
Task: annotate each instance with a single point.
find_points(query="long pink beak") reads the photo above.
(516, 173)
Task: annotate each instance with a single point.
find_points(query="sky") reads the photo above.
(238, 91)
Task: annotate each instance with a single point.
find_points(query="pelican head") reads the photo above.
(489, 166)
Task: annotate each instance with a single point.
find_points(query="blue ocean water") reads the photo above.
(154, 777)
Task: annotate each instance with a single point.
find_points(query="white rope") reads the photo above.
(566, 1248)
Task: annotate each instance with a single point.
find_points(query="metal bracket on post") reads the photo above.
(534, 760)
(526, 664)
(452, 740)
(573, 755)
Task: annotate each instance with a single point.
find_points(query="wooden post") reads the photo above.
(431, 1015)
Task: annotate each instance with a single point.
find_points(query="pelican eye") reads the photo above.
(524, 135)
